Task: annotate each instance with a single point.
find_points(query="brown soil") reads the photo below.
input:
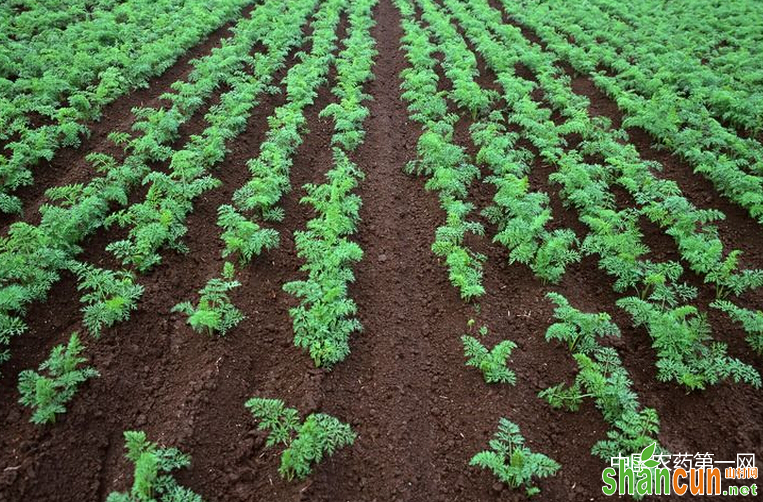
(420, 413)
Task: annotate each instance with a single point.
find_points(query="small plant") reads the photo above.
(243, 237)
(579, 330)
(152, 481)
(728, 279)
(48, 394)
(215, 313)
(512, 462)
(603, 378)
(751, 320)
(492, 363)
(111, 296)
(306, 443)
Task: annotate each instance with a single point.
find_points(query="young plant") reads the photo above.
(306, 443)
(243, 237)
(512, 462)
(579, 330)
(728, 279)
(603, 378)
(685, 350)
(751, 320)
(215, 312)
(111, 297)
(152, 480)
(492, 362)
(48, 394)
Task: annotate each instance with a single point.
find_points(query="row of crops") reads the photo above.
(488, 86)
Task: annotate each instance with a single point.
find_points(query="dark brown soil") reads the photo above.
(420, 413)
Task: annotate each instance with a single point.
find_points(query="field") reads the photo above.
(325, 250)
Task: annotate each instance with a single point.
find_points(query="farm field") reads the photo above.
(372, 250)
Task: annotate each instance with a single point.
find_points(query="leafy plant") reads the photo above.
(681, 337)
(111, 296)
(32, 256)
(512, 462)
(445, 164)
(491, 362)
(48, 394)
(728, 279)
(603, 378)
(751, 320)
(243, 237)
(306, 443)
(152, 479)
(464, 265)
(215, 313)
(579, 330)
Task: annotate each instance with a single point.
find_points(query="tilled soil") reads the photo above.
(419, 412)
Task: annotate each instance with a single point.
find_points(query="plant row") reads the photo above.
(507, 458)
(445, 164)
(723, 36)
(652, 57)
(733, 165)
(245, 238)
(662, 202)
(70, 78)
(326, 315)
(679, 332)
(522, 217)
(32, 257)
(602, 377)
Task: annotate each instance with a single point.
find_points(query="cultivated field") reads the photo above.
(375, 250)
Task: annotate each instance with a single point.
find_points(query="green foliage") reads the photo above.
(681, 337)
(464, 265)
(579, 330)
(243, 237)
(603, 378)
(554, 254)
(306, 443)
(48, 394)
(160, 219)
(31, 257)
(215, 313)
(751, 320)
(512, 462)
(726, 278)
(492, 363)
(270, 170)
(631, 432)
(685, 350)
(152, 479)
(324, 320)
(64, 72)
(111, 296)
(445, 164)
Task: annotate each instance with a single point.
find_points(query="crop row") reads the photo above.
(683, 124)
(74, 72)
(270, 176)
(723, 36)
(32, 256)
(445, 163)
(325, 318)
(680, 334)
